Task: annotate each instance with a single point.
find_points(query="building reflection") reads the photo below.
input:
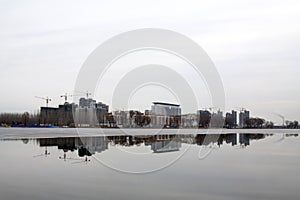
(244, 139)
(207, 139)
(166, 143)
(87, 146)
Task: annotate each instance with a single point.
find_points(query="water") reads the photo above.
(57, 164)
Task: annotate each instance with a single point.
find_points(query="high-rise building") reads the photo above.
(165, 114)
(189, 120)
(217, 120)
(122, 118)
(86, 103)
(101, 110)
(65, 114)
(90, 114)
(49, 115)
(234, 118)
(231, 119)
(61, 116)
(167, 109)
(244, 117)
(204, 117)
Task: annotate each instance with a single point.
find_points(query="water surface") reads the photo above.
(150, 166)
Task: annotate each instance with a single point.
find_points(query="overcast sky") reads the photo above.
(255, 46)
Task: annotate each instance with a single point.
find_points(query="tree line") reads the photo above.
(19, 118)
(141, 120)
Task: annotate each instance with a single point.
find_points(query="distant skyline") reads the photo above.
(255, 46)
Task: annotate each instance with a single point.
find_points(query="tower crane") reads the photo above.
(47, 99)
(210, 108)
(241, 109)
(87, 93)
(65, 96)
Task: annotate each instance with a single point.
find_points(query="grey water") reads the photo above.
(149, 164)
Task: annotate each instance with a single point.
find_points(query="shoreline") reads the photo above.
(11, 133)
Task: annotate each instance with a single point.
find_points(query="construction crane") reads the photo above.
(241, 109)
(65, 96)
(209, 108)
(47, 99)
(87, 93)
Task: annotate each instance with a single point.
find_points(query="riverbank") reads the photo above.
(82, 132)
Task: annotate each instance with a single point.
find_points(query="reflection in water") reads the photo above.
(268, 171)
(87, 146)
(218, 139)
(44, 154)
(245, 138)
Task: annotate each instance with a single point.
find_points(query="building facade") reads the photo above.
(204, 117)
(165, 115)
(189, 120)
(231, 119)
(244, 117)
(91, 114)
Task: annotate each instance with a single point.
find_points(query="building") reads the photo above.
(86, 103)
(101, 111)
(65, 114)
(234, 118)
(167, 109)
(165, 115)
(244, 117)
(231, 119)
(90, 114)
(85, 115)
(189, 120)
(122, 118)
(204, 117)
(61, 116)
(217, 120)
(49, 115)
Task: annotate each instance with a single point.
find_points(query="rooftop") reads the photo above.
(165, 104)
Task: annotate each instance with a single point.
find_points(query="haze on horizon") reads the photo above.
(255, 46)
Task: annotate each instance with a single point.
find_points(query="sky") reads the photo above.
(255, 46)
